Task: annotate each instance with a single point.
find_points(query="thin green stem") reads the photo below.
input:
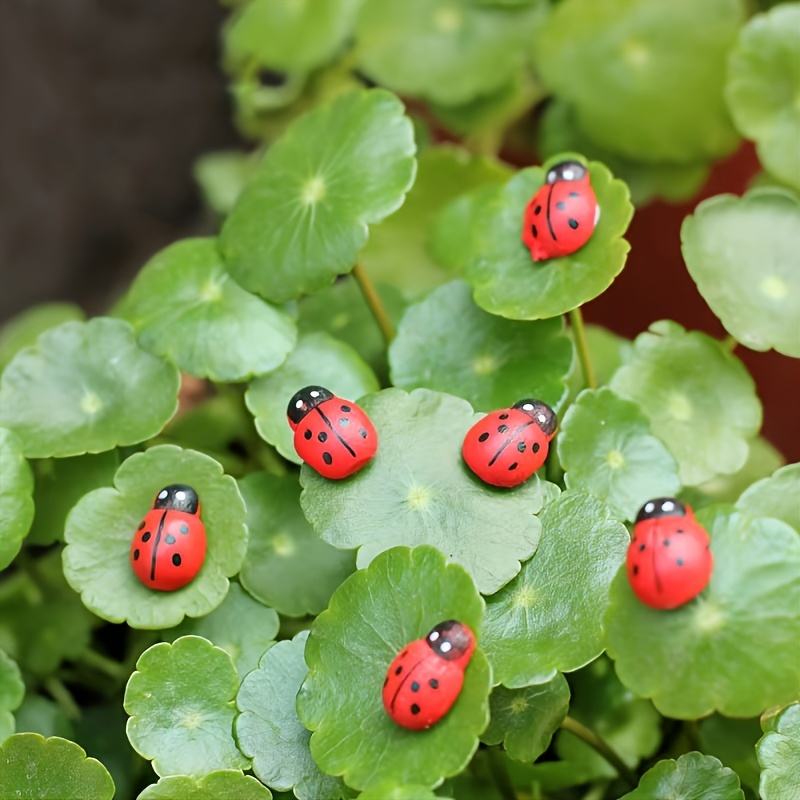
(581, 345)
(601, 747)
(499, 774)
(104, 664)
(374, 302)
(729, 343)
(62, 696)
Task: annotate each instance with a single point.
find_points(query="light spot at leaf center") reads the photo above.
(518, 705)
(709, 618)
(615, 459)
(635, 53)
(774, 288)
(418, 497)
(679, 407)
(211, 291)
(484, 365)
(313, 191)
(339, 321)
(192, 720)
(91, 403)
(448, 19)
(283, 545)
(524, 597)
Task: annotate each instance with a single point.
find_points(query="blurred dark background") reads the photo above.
(105, 105)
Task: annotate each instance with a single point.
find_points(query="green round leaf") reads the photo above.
(524, 720)
(445, 342)
(779, 755)
(16, 497)
(505, 278)
(300, 35)
(443, 51)
(60, 483)
(269, 731)
(35, 768)
(185, 307)
(318, 359)
(397, 252)
(387, 791)
(606, 448)
(645, 77)
(181, 706)
(24, 329)
(763, 86)
(223, 784)
(39, 715)
(12, 690)
(699, 398)
(221, 176)
(733, 742)
(692, 777)
(371, 618)
(742, 254)
(709, 654)
(417, 490)
(775, 497)
(85, 387)
(241, 627)
(303, 216)
(607, 350)
(287, 565)
(101, 527)
(549, 617)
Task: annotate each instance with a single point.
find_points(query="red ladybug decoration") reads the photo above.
(563, 213)
(169, 546)
(507, 446)
(669, 561)
(424, 681)
(332, 435)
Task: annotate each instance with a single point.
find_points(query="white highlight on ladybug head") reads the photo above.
(180, 495)
(551, 176)
(446, 647)
(649, 507)
(568, 174)
(529, 407)
(668, 505)
(314, 394)
(162, 494)
(434, 636)
(542, 418)
(299, 404)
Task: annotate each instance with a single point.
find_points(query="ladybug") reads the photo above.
(669, 561)
(169, 546)
(424, 681)
(562, 215)
(507, 446)
(332, 435)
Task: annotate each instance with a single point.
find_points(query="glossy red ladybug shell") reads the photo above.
(332, 435)
(563, 213)
(507, 446)
(169, 547)
(425, 679)
(669, 561)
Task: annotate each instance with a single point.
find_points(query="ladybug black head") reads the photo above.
(541, 413)
(566, 171)
(450, 640)
(661, 507)
(305, 400)
(177, 497)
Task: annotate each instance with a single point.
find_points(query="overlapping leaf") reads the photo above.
(269, 731)
(446, 343)
(16, 496)
(318, 360)
(536, 626)
(185, 307)
(733, 742)
(700, 400)
(400, 597)
(12, 690)
(779, 755)
(85, 387)
(100, 529)
(776, 497)
(742, 254)
(287, 565)
(709, 654)
(303, 216)
(692, 777)
(221, 176)
(417, 490)
(39, 715)
(607, 450)
(499, 266)
(181, 702)
(222, 784)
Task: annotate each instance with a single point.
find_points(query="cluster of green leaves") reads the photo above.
(355, 253)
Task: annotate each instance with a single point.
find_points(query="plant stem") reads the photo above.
(500, 774)
(601, 747)
(62, 696)
(374, 302)
(104, 664)
(729, 343)
(579, 336)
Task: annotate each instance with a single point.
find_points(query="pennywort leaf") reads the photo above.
(16, 501)
(779, 755)
(693, 775)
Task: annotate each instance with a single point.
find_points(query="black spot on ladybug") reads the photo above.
(679, 531)
(534, 231)
(414, 708)
(636, 570)
(386, 680)
(679, 562)
(666, 542)
(404, 653)
(344, 422)
(537, 210)
(483, 437)
(184, 529)
(573, 223)
(521, 447)
(146, 536)
(561, 205)
(414, 686)
(135, 555)
(535, 447)
(398, 670)
(327, 458)
(502, 428)
(574, 194)
(642, 547)
(346, 409)
(513, 466)
(176, 559)
(504, 416)
(170, 539)
(322, 436)
(433, 683)
(362, 433)
(308, 434)
(141, 525)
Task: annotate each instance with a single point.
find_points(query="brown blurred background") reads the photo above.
(105, 105)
